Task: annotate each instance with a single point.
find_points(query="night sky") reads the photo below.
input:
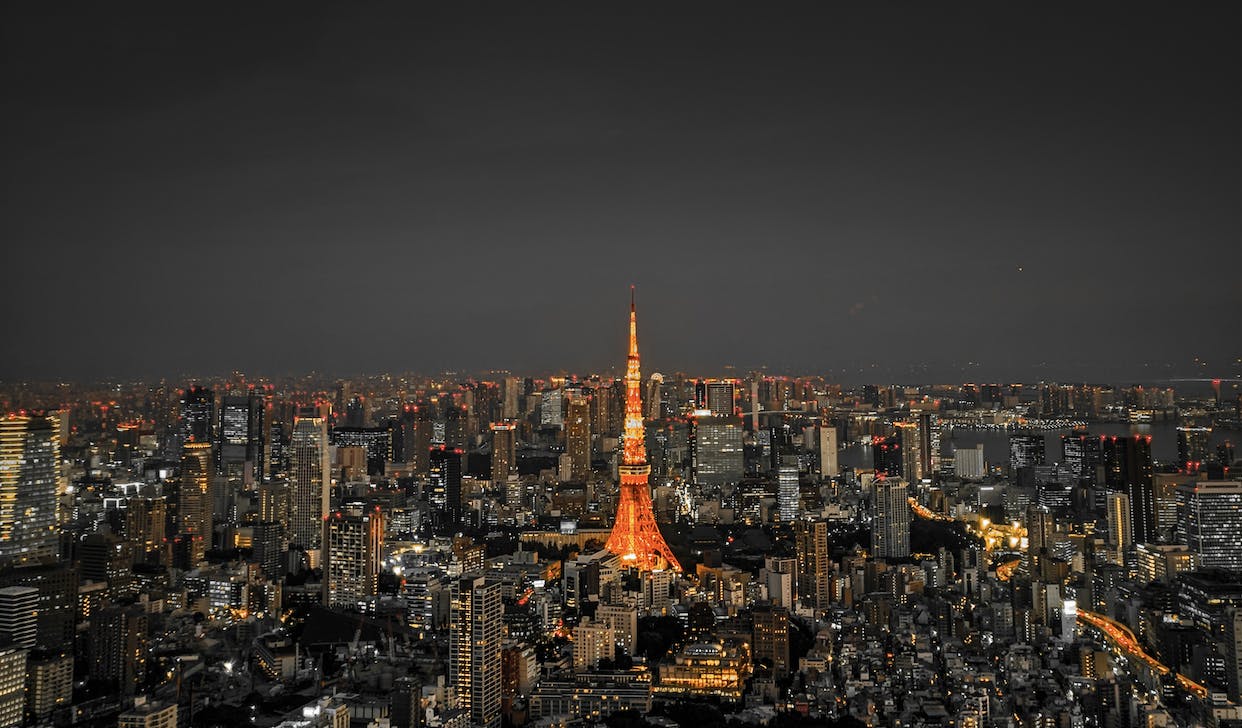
(932, 192)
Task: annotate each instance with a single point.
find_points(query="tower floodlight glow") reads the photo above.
(635, 536)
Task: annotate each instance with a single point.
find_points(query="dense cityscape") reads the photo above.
(620, 365)
(394, 551)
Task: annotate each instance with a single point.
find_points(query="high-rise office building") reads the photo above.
(146, 521)
(829, 466)
(551, 408)
(119, 647)
(196, 418)
(29, 478)
(890, 524)
(593, 641)
(353, 545)
(194, 507)
(49, 685)
(504, 452)
(377, 443)
(1026, 450)
(19, 615)
(511, 397)
(968, 463)
(416, 435)
(718, 451)
(1120, 527)
(1128, 469)
(310, 483)
(241, 437)
(1193, 447)
(456, 434)
(57, 584)
(1232, 644)
(813, 562)
(929, 443)
(12, 684)
(1081, 454)
(445, 487)
(476, 625)
(267, 547)
(578, 437)
(886, 456)
(274, 500)
(787, 495)
(771, 638)
(1210, 522)
(277, 449)
(910, 435)
(716, 396)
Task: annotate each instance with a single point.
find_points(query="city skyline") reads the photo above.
(317, 407)
(843, 189)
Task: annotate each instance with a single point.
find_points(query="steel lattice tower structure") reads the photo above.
(635, 536)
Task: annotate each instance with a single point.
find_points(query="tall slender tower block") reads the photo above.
(635, 536)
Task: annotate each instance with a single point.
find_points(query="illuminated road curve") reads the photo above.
(1123, 639)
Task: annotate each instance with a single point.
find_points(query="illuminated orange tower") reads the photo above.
(635, 536)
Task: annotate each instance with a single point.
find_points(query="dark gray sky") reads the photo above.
(1040, 190)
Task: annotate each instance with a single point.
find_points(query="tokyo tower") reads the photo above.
(635, 536)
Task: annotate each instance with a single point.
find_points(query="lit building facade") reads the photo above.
(353, 545)
(1210, 522)
(476, 625)
(29, 477)
(890, 524)
(310, 485)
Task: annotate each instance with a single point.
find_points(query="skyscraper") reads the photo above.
(929, 443)
(1128, 469)
(1026, 450)
(718, 451)
(828, 451)
(1233, 653)
(968, 462)
(445, 487)
(241, 437)
(635, 536)
(787, 492)
(476, 622)
(504, 452)
(194, 507)
(19, 615)
(1081, 454)
(353, 544)
(119, 647)
(911, 439)
(578, 437)
(1120, 527)
(813, 564)
(146, 528)
(29, 475)
(416, 433)
(716, 396)
(197, 406)
(771, 638)
(1210, 522)
(1193, 446)
(886, 456)
(890, 524)
(310, 483)
(12, 684)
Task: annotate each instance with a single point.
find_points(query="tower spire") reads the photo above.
(635, 536)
